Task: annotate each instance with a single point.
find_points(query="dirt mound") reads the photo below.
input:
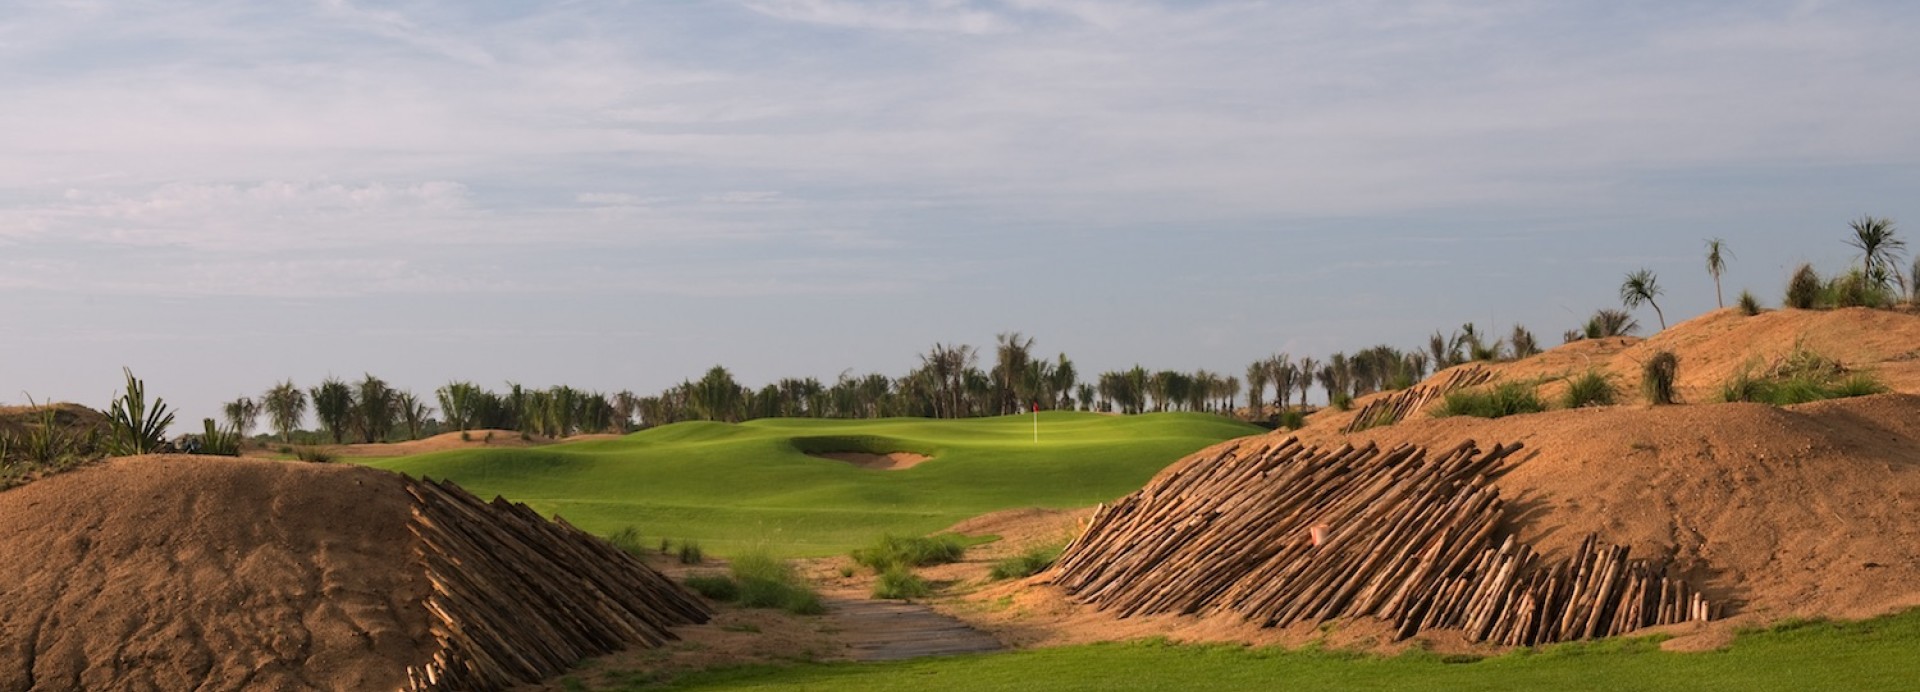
(174, 572)
(1712, 349)
(1810, 510)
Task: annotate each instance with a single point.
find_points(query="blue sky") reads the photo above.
(617, 195)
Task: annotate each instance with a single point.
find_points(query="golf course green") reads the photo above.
(752, 485)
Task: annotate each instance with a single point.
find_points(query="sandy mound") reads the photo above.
(1812, 510)
(1712, 348)
(206, 573)
(893, 461)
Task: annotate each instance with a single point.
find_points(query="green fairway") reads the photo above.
(734, 486)
(1873, 655)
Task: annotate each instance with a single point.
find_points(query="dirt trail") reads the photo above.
(893, 630)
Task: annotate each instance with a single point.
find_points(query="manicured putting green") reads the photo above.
(735, 486)
(1873, 655)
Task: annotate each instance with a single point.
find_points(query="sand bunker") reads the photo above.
(894, 461)
(175, 572)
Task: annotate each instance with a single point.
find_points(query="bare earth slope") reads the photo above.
(185, 573)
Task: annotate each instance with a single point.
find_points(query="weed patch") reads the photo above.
(1505, 399)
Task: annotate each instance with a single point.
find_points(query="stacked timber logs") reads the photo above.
(1388, 410)
(515, 598)
(1279, 533)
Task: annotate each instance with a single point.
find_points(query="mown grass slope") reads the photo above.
(1871, 655)
(733, 486)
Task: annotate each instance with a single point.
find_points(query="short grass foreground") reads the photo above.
(732, 487)
(1871, 655)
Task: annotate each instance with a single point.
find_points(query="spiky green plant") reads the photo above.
(1607, 322)
(219, 442)
(1641, 287)
(1504, 399)
(132, 426)
(1656, 378)
(1879, 250)
(47, 443)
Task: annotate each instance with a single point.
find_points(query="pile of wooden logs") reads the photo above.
(1396, 407)
(516, 599)
(1280, 533)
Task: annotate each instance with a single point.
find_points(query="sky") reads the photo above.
(619, 195)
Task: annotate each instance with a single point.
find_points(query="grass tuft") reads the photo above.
(689, 552)
(1028, 563)
(899, 582)
(718, 587)
(1505, 399)
(1656, 378)
(1592, 389)
(315, 455)
(1749, 305)
(769, 582)
(1801, 377)
(627, 539)
(911, 551)
(1804, 289)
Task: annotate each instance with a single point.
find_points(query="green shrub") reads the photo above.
(46, 443)
(718, 587)
(689, 553)
(1803, 290)
(769, 582)
(1749, 305)
(911, 551)
(1293, 419)
(1855, 290)
(1801, 377)
(1656, 378)
(628, 541)
(317, 455)
(1342, 401)
(1592, 389)
(1026, 564)
(899, 582)
(1505, 399)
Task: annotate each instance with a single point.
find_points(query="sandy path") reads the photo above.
(893, 630)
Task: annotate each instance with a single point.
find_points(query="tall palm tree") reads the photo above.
(333, 405)
(242, 413)
(1013, 351)
(1641, 287)
(1304, 380)
(1717, 254)
(1256, 388)
(1879, 250)
(285, 405)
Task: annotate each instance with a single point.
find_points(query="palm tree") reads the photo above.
(1304, 380)
(1717, 255)
(1013, 351)
(242, 413)
(1256, 388)
(285, 404)
(333, 404)
(375, 409)
(1641, 287)
(1879, 250)
(413, 412)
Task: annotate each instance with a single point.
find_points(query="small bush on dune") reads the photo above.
(1293, 420)
(768, 582)
(218, 442)
(910, 551)
(899, 582)
(1505, 399)
(1592, 389)
(1749, 305)
(313, 454)
(1656, 378)
(1803, 290)
(1342, 402)
(1026, 564)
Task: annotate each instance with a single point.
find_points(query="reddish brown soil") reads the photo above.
(172, 572)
